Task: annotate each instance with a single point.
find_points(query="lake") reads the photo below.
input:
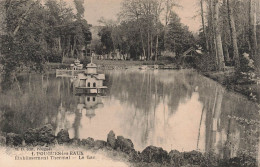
(179, 110)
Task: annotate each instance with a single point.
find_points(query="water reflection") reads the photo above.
(171, 109)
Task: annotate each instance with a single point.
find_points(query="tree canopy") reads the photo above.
(142, 33)
(34, 33)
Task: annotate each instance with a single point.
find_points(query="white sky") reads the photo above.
(187, 12)
(95, 9)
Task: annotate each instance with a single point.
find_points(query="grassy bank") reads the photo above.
(228, 79)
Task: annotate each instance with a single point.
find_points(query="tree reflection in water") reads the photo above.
(172, 109)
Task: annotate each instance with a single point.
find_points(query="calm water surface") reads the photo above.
(179, 110)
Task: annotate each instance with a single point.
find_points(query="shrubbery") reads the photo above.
(246, 72)
(85, 61)
(53, 56)
(68, 60)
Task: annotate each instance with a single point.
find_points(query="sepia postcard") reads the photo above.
(138, 83)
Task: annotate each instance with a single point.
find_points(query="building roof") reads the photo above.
(100, 76)
(77, 61)
(91, 65)
(191, 49)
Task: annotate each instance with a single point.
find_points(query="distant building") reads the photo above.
(192, 52)
(76, 65)
(189, 56)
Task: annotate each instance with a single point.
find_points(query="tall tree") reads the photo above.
(106, 39)
(211, 30)
(168, 7)
(252, 28)
(203, 24)
(225, 30)
(79, 4)
(179, 39)
(131, 11)
(21, 44)
(219, 48)
(233, 35)
(158, 11)
(34, 33)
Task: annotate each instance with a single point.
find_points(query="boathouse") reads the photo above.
(189, 56)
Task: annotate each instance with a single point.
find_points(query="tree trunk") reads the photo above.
(203, 25)
(144, 52)
(233, 35)
(29, 82)
(215, 50)
(252, 33)
(59, 43)
(226, 28)
(226, 52)
(252, 28)
(174, 48)
(142, 39)
(151, 47)
(212, 43)
(73, 48)
(22, 19)
(156, 47)
(158, 10)
(220, 56)
(214, 40)
(148, 46)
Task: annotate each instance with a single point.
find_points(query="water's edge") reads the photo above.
(121, 147)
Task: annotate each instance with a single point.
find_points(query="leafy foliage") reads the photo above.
(34, 33)
(179, 39)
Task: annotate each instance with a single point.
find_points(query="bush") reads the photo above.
(85, 61)
(54, 56)
(205, 62)
(57, 66)
(247, 68)
(246, 73)
(246, 63)
(168, 54)
(167, 58)
(68, 60)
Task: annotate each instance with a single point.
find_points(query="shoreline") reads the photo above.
(226, 79)
(249, 90)
(119, 149)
